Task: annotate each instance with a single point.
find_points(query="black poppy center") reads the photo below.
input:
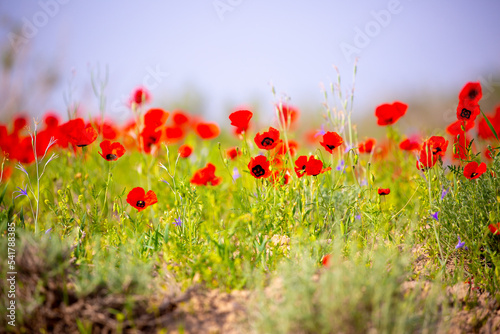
(472, 94)
(82, 145)
(140, 204)
(331, 147)
(267, 141)
(303, 167)
(465, 113)
(111, 156)
(258, 171)
(437, 150)
(473, 174)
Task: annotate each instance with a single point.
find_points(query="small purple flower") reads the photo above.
(460, 244)
(364, 183)
(21, 191)
(177, 222)
(341, 165)
(48, 231)
(347, 148)
(443, 194)
(320, 132)
(236, 174)
(358, 217)
(435, 215)
(165, 181)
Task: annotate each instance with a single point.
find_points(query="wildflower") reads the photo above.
(281, 148)
(185, 151)
(180, 118)
(358, 217)
(320, 132)
(388, 114)
(154, 118)
(288, 114)
(435, 215)
(233, 153)
(206, 176)
(111, 151)
(409, 145)
(436, 145)
(207, 130)
(268, 139)
(471, 92)
(21, 191)
(301, 164)
(494, 228)
(367, 146)
(340, 167)
(443, 194)
(236, 173)
(140, 200)
(460, 244)
(314, 166)
(77, 133)
(325, 261)
(461, 145)
(150, 137)
(139, 96)
(259, 167)
(383, 192)
(473, 170)
(240, 119)
(174, 134)
(467, 110)
(331, 140)
(178, 222)
(426, 160)
(455, 128)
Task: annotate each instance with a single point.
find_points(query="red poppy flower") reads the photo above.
(484, 130)
(150, 137)
(240, 119)
(205, 176)
(426, 160)
(281, 148)
(23, 151)
(259, 167)
(185, 151)
(461, 144)
(111, 151)
(233, 153)
(77, 133)
(107, 129)
(174, 133)
(472, 91)
(409, 145)
(325, 261)
(383, 192)
(19, 123)
(288, 114)
(436, 145)
(488, 154)
(309, 166)
(367, 146)
(495, 228)
(280, 177)
(300, 165)
(331, 140)
(51, 120)
(388, 114)
(267, 140)
(207, 130)
(455, 128)
(473, 170)
(140, 200)
(139, 96)
(155, 117)
(467, 110)
(180, 117)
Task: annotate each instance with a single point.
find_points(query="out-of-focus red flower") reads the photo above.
(19, 123)
(206, 176)
(51, 120)
(150, 137)
(107, 128)
(494, 228)
(426, 160)
(155, 118)
(23, 151)
(409, 145)
(473, 170)
(325, 261)
(111, 151)
(280, 177)
(268, 139)
(367, 146)
(7, 172)
(281, 148)
(488, 154)
(455, 128)
(384, 191)
(240, 119)
(288, 114)
(388, 114)
(233, 153)
(331, 140)
(174, 133)
(472, 91)
(460, 147)
(207, 130)
(140, 200)
(185, 151)
(180, 118)
(77, 133)
(259, 167)
(484, 130)
(139, 97)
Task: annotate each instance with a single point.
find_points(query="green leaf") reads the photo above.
(490, 125)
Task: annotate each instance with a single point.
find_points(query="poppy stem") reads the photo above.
(106, 191)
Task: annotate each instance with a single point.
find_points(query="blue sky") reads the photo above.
(230, 50)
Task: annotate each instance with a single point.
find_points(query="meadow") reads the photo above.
(170, 224)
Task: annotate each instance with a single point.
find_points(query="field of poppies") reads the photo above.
(128, 228)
